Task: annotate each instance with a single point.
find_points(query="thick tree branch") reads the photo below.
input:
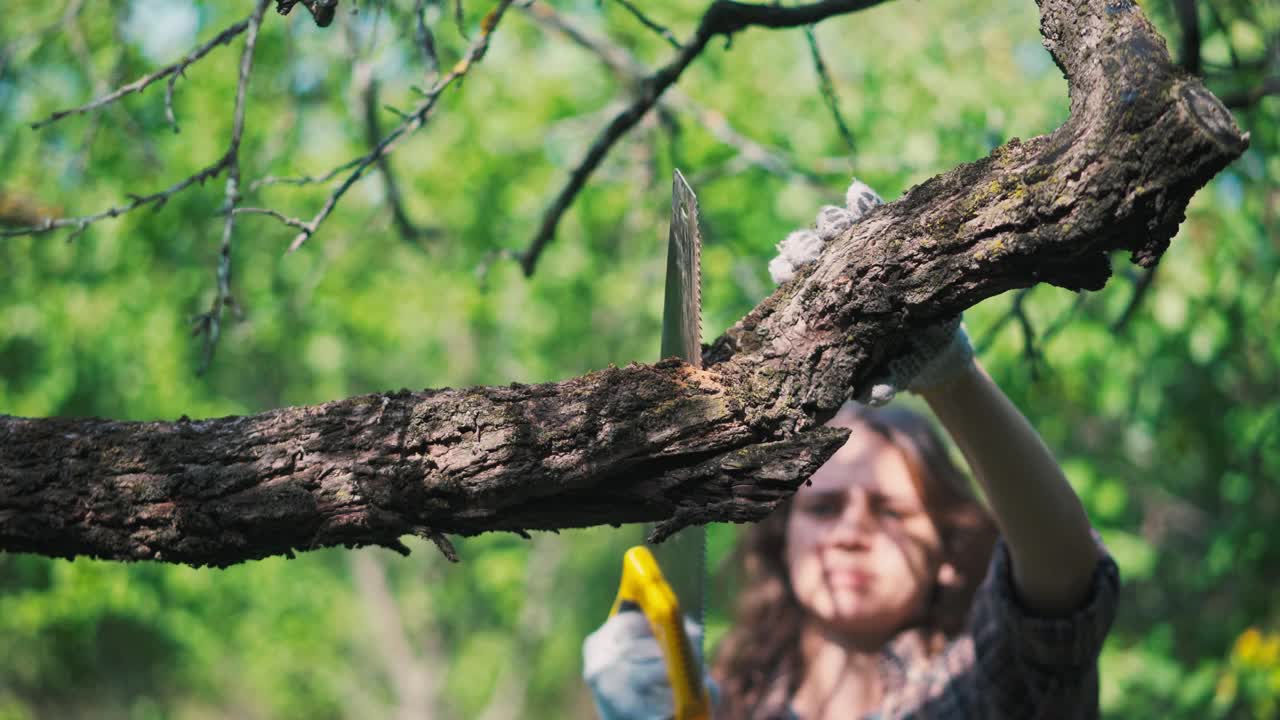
(620, 445)
(663, 442)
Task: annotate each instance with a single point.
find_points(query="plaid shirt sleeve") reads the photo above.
(1028, 666)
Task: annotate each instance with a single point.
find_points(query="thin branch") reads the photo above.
(509, 698)
(414, 120)
(305, 179)
(632, 71)
(426, 41)
(1063, 320)
(1189, 21)
(136, 201)
(1030, 339)
(828, 89)
(724, 17)
(1029, 350)
(416, 686)
(1140, 288)
(366, 84)
(1226, 32)
(993, 332)
(80, 47)
(1249, 98)
(644, 20)
(159, 198)
(210, 324)
(291, 222)
(368, 88)
(459, 19)
(141, 83)
(617, 59)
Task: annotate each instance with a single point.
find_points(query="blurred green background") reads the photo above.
(1164, 413)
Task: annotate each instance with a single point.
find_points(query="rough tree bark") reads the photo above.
(661, 442)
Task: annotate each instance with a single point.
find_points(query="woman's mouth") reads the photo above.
(850, 579)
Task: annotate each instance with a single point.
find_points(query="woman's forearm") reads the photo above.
(1042, 520)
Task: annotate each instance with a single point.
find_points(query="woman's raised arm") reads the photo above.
(1044, 525)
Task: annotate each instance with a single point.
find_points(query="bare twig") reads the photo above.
(291, 222)
(305, 179)
(1063, 320)
(416, 686)
(644, 20)
(459, 19)
(632, 71)
(724, 17)
(1249, 98)
(368, 87)
(156, 199)
(508, 701)
(1189, 21)
(136, 201)
(210, 324)
(1140, 288)
(1029, 350)
(426, 41)
(1226, 31)
(414, 120)
(70, 27)
(1031, 341)
(982, 344)
(828, 89)
(366, 84)
(141, 83)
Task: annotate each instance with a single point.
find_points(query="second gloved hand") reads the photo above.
(932, 356)
(623, 665)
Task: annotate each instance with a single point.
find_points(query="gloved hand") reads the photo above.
(623, 665)
(804, 246)
(932, 357)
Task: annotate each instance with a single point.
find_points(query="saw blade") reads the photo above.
(682, 556)
(682, 304)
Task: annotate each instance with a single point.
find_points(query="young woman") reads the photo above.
(885, 589)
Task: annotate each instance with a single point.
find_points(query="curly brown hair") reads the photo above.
(760, 665)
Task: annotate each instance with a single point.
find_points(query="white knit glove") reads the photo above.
(805, 246)
(623, 665)
(931, 358)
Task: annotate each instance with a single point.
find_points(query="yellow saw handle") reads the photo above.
(643, 588)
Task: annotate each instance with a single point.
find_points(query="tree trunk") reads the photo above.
(654, 442)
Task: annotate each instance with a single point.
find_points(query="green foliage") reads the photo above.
(1167, 425)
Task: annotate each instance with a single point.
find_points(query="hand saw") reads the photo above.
(674, 583)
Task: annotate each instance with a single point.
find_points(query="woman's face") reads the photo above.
(861, 551)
